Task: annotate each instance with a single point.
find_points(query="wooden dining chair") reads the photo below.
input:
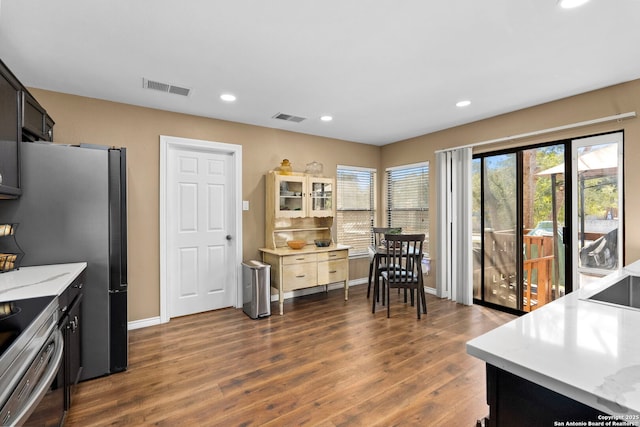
(404, 250)
(374, 257)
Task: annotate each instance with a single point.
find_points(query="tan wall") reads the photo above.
(610, 101)
(88, 120)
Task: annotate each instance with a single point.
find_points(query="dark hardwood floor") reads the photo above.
(326, 362)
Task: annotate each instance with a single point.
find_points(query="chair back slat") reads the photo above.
(404, 250)
(403, 255)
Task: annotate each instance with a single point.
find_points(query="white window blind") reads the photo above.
(408, 199)
(355, 210)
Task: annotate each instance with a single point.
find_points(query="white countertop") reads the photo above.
(37, 281)
(585, 350)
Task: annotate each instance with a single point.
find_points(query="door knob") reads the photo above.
(229, 237)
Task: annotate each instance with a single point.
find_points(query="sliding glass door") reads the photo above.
(532, 205)
(499, 212)
(598, 231)
(543, 225)
(519, 212)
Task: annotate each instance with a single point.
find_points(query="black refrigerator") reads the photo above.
(73, 209)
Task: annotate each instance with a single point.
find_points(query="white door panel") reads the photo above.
(187, 268)
(188, 207)
(201, 260)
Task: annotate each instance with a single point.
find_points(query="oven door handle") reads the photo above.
(46, 379)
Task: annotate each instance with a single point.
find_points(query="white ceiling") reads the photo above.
(386, 70)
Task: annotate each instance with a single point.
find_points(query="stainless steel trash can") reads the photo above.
(256, 289)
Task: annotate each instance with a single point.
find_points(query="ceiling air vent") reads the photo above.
(289, 117)
(165, 87)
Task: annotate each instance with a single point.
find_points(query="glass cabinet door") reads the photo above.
(290, 197)
(320, 197)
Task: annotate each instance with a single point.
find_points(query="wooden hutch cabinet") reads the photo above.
(302, 207)
(299, 196)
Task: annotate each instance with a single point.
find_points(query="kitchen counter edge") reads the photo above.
(38, 281)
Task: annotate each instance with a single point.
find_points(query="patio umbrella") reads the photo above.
(595, 163)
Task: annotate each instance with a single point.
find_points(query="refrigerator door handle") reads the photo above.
(123, 218)
(118, 218)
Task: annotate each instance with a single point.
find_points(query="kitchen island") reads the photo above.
(571, 353)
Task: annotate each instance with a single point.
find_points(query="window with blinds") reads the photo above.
(408, 198)
(355, 209)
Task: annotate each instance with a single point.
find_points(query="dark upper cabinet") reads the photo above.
(21, 119)
(36, 124)
(9, 134)
(48, 128)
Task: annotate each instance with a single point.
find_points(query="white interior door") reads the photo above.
(201, 257)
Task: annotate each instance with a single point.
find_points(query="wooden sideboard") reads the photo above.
(310, 266)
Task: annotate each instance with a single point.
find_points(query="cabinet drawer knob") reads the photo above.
(301, 276)
(333, 271)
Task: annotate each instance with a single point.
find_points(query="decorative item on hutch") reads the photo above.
(314, 168)
(285, 167)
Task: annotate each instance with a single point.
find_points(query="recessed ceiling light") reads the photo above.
(464, 103)
(570, 4)
(326, 118)
(228, 97)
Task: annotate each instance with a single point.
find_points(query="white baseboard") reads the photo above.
(152, 321)
(362, 281)
(143, 323)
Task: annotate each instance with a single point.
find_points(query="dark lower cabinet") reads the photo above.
(70, 324)
(73, 350)
(515, 401)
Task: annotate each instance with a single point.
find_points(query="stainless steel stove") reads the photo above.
(31, 349)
